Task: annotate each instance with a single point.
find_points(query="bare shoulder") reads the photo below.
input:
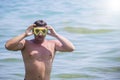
(28, 41)
(57, 43)
(54, 41)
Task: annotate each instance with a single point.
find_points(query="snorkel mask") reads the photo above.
(39, 30)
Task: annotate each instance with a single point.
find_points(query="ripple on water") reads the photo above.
(18, 74)
(74, 75)
(10, 60)
(103, 69)
(86, 30)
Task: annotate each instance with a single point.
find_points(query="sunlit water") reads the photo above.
(87, 24)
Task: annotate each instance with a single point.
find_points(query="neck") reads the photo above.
(38, 41)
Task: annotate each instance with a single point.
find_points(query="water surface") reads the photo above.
(94, 32)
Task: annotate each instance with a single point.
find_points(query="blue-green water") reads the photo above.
(92, 28)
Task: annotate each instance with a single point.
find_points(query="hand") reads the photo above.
(28, 31)
(51, 31)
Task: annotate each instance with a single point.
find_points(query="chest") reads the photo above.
(41, 53)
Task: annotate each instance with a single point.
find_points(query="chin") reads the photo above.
(40, 39)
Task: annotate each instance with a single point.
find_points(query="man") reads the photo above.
(38, 53)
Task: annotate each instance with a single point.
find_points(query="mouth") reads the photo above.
(39, 37)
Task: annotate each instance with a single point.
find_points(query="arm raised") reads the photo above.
(62, 44)
(18, 42)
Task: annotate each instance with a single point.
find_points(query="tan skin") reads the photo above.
(38, 53)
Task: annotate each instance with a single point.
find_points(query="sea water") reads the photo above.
(89, 24)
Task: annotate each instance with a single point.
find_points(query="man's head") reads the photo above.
(40, 27)
(40, 30)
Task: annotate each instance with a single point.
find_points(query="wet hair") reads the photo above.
(40, 23)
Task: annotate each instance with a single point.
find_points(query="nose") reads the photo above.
(40, 34)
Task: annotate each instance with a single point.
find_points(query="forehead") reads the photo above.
(40, 27)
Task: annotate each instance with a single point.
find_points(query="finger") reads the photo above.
(30, 34)
(49, 27)
(34, 25)
(31, 26)
(49, 33)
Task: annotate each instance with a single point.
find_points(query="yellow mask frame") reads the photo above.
(39, 30)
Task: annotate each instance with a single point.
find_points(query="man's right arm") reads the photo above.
(16, 43)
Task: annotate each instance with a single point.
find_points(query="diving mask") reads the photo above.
(39, 30)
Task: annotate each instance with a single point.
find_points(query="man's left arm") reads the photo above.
(61, 44)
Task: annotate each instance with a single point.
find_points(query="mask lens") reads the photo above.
(44, 31)
(37, 30)
(40, 30)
